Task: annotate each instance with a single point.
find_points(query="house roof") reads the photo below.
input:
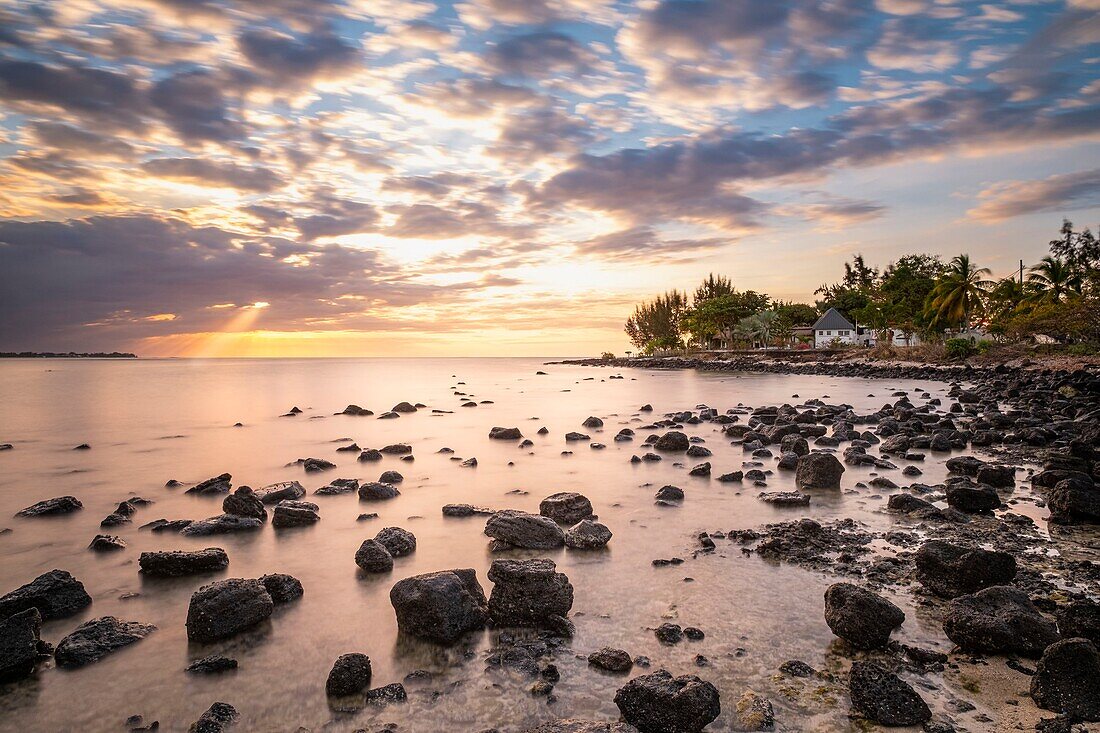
(833, 321)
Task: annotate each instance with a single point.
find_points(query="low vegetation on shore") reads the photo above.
(939, 305)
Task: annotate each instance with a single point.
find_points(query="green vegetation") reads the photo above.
(957, 303)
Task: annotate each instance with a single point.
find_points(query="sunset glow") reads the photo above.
(353, 177)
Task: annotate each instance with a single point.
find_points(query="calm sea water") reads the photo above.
(149, 421)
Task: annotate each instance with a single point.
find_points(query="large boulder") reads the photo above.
(973, 499)
(818, 471)
(661, 703)
(520, 529)
(1080, 619)
(373, 557)
(349, 675)
(221, 524)
(567, 507)
(950, 570)
(58, 505)
(244, 503)
(294, 513)
(528, 593)
(672, 442)
(1074, 500)
(179, 562)
(440, 606)
(880, 695)
(587, 535)
(1067, 679)
(860, 617)
(225, 607)
(998, 620)
(95, 639)
(399, 542)
(55, 594)
(20, 644)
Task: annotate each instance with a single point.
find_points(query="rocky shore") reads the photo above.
(998, 586)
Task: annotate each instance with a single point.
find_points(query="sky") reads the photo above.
(509, 177)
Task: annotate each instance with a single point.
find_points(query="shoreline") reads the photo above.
(848, 366)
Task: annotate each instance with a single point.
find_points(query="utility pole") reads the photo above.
(1021, 272)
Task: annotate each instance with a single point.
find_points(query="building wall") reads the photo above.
(824, 339)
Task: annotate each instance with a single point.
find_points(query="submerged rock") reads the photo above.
(377, 491)
(505, 434)
(661, 703)
(350, 674)
(221, 524)
(217, 485)
(20, 644)
(440, 606)
(244, 503)
(611, 659)
(219, 718)
(880, 695)
(567, 507)
(672, 442)
(1067, 679)
(587, 535)
(282, 588)
(860, 617)
(55, 594)
(107, 543)
(754, 713)
(213, 664)
(950, 570)
(573, 725)
(998, 620)
(180, 562)
(58, 505)
(520, 529)
(373, 557)
(95, 639)
(225, 607)
(274, 493)
(292, 513)
(528, 593)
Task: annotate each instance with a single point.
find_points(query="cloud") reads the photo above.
(335, 216)
(223, 174)
(644, 243)
(75, 141)
(193, 104)
(286, 57)
(121, 272)
(112, 99)
(1058, 193)
(539, 54)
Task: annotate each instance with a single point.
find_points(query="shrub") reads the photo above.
(958, 349)
(1083, 349)
(984, 347)
(607, 355)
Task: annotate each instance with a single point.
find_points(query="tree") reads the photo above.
(957, 296)
(1053, 280)
(719, 314)
(655, 324)
(762, 325)
(903, 291)
(794, 315)
(846, 300)
(715, 286)
(1079, 250)
(858, 275)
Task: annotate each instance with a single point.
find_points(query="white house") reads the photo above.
(833, 328)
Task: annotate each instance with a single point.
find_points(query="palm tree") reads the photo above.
(1052, 280)
(743, 331)
(762, 325)
(958, 293)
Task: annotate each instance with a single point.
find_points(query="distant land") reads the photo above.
(67, 355)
